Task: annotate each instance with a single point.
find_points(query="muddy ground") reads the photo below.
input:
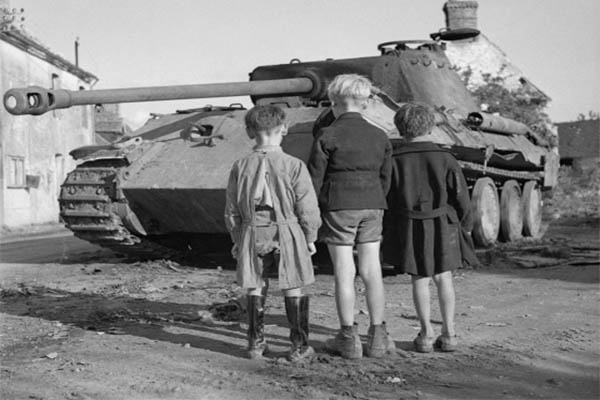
(98, 326)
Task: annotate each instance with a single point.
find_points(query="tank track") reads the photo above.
(90, 200)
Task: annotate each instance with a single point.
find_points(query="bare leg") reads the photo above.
(369, 267)
(296, 292)
(422, 306)
(344, 270)
(260, 291)
(445, 287)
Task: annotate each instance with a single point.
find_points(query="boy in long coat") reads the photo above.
(273, 217)
(427, 203)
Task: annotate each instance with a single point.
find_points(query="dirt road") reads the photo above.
(98, 327)
(54, 247)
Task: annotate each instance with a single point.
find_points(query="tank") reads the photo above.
(161, 191)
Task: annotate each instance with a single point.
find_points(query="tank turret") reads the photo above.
(163, 189)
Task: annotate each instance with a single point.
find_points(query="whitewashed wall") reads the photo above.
(43, 141)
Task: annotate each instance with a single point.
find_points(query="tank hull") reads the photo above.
(164, 192)
(161, 195)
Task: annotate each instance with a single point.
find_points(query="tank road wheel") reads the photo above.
(511, 214)
(532, 209)
(486, 212)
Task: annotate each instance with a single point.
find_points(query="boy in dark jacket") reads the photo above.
(350, 169)
(428, 201)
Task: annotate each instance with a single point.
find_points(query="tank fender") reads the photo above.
(118, 150)
(551, 165)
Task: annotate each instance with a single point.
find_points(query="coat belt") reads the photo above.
(429, 214)
(289, 221)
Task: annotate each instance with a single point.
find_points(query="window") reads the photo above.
(16, 172)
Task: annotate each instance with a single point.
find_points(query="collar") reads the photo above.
(350, 115)
(267, 148)
(417, 147)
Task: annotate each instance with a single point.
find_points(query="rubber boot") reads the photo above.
(378, 341)
(257, 344)
(346, 343)
(296, 309)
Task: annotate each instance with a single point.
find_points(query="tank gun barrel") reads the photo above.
(35, 100)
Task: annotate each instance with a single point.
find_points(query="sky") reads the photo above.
(128, 43)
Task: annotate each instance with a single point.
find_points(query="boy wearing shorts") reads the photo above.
(428, 203)
(350, 168)
(272, 214)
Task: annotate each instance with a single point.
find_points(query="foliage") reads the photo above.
(577, 195)
(592, 115)
(520, 104)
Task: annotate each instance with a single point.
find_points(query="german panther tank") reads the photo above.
(163, 188)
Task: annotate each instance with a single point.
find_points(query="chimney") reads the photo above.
(460, 14)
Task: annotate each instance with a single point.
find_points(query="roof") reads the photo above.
(481, 56)
(21, 39)
(101, 140)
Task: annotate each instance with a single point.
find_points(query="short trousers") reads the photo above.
(268, 264)
(266, 243)
(349, 227)
(266, 233)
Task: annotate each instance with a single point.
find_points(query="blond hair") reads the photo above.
(349, 86)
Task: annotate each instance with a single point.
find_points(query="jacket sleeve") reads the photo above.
(395, 185)
(385, 175)
(306, 206)
(317, 163)
(458, 195)
(233, 218)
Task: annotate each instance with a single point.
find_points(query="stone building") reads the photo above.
(110, 125)
(480, 61)
(476, 55)
(579, 141)
(34, 150)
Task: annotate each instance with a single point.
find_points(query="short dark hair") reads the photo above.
(264, 118)
(414, 119)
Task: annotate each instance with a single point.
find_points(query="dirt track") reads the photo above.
(102, 328)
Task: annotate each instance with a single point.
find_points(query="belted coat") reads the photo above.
(429, 211)
(294, 202)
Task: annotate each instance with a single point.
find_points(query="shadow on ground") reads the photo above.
(474, 372)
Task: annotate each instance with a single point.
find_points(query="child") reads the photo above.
(272, 215)
(350, 166)
(427, 202)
